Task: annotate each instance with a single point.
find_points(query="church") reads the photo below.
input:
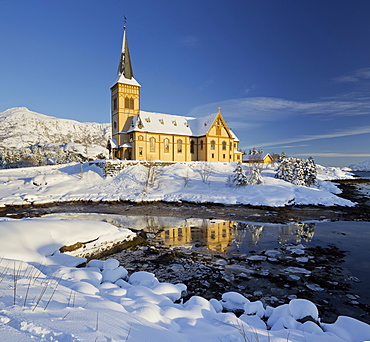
(141, 135)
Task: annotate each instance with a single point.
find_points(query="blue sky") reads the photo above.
(290, 76)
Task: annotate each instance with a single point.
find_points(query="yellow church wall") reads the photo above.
(153, 146)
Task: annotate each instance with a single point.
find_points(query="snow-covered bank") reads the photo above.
(43, 297)
(189, 181)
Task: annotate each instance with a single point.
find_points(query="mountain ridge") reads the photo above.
(21, 127)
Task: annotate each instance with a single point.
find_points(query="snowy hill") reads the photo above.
(21, 127)
(364, 166)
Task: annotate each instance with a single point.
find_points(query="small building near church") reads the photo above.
(264, 158)
(140, 135)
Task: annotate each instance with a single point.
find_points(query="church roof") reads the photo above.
(172, 124)
(125, 73)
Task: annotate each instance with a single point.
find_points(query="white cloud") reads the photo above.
(274, 109)
(335, 154)
(336, 134)
(357, 76)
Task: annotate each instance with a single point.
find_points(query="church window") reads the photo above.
(213, 145)
(213, 155)
(224, 156)
(132, 106)
(115, 103)
(192, 146)
(179, 146)
(166, 146)
(131, 137)
(152, 144)
(218, 130)
(115, 124)
(140, 137)
(224, 145)
(140, 151)
(201, 144)
(127, 102)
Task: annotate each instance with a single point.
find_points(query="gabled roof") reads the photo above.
(173, 124)
(255, 157)
(234, 136)
(125, 73)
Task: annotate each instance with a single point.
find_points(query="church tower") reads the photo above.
(125, 102)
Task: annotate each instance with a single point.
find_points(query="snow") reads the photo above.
(44, 297)
(30, 128)
(197, 182)
(364, 166)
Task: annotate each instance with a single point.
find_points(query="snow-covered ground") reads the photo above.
(44, 297)
(190, 181)
(364, 166)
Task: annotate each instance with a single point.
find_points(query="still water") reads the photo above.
(235, 238)
(362, 174)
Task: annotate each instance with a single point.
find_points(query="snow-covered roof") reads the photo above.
(234, 136)
(160, 123)
(200, 126)
(173, 124)
(113, 143)
(252, 157)
(125, 145)
(124, 80)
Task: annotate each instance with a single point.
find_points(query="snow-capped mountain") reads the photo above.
(21, 127)
(364, 166)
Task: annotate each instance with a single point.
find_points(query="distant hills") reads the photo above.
(21, 127)
(364, 166)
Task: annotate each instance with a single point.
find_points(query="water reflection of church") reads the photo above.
(218, 235)
(215, 235)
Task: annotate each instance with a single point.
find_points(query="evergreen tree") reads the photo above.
(255, 177)
(238, 178)
(298, 172)
(310, 172)
(284, 169)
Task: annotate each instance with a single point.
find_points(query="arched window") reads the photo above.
(201, 144)
(191, 146)
(127, 102)
(179, 146)
(224, 145)
(166, 145)
(140, 137)
(213, 145)
(132, 103)
(152, 144)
